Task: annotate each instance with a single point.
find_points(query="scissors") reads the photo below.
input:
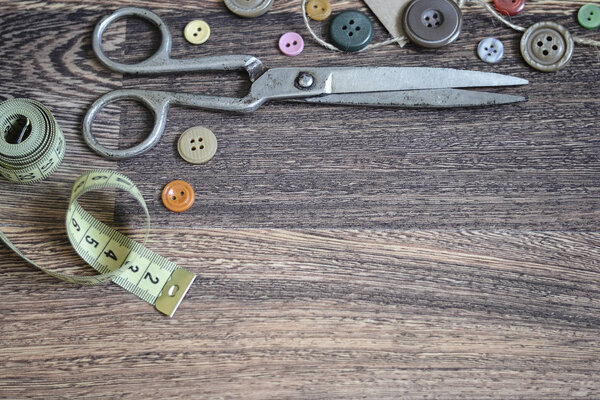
(366, 86)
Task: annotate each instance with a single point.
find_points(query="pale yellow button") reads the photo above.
(197, 145)
(197, 31)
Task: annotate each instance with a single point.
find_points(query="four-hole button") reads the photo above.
(547, 46)
(490, 50)
(351, 31)
(197, 145)
(432, 23)
(248, 8)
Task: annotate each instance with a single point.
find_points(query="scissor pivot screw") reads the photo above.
(304, 80)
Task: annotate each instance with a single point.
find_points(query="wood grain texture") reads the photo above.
(527, 166)
(341, 252)
(335, 314)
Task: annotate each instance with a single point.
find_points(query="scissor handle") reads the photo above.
(156, 102)
(161, 61)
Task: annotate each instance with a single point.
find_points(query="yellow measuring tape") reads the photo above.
(31, 148)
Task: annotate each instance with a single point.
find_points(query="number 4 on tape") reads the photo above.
(129, 264)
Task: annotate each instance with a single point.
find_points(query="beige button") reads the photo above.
(547, 46)
(196, 31)
(197, 145)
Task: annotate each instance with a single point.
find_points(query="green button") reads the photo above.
(351, 31)
(589, 16)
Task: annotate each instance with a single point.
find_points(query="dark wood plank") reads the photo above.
(334, 314)
(467, 265)
(527, 166)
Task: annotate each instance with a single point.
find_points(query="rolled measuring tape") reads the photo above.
(31, 148)
(32, 145)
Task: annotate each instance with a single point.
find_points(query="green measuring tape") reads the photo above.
(32, 145)
(31, 148)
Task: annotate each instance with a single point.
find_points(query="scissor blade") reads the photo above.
(385, 79)
(435, 98)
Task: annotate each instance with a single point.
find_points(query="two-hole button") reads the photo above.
(196, 32)
(291, 44)
(178, 196)
(319, 10)
(589, 16)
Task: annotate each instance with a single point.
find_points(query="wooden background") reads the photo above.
(340, 252)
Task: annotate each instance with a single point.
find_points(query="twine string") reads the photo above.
(402, 40)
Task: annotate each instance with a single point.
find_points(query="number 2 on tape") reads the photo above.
(117, 258)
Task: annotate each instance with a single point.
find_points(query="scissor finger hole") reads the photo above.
(122, 124)
(130, 40)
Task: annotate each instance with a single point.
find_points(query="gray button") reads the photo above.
(490, 50)
(248, 8)
(432, 23)
(547, 46)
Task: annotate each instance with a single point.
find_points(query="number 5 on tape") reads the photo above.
(129, 264)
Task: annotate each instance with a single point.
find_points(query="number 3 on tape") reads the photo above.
(117, 258)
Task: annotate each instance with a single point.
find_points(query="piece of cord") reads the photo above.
(402, 40)
(583, 41)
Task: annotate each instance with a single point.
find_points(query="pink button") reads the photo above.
(291, 44)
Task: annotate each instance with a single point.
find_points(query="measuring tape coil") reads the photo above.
(32, 146)
(39, 149)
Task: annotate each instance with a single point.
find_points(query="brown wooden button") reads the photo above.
(197, 145)
(178, 196)
(318, 10)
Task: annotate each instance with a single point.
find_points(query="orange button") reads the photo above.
(178, 196)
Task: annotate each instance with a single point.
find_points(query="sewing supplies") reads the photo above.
(389, 14)
(32, 146)
(371, 86)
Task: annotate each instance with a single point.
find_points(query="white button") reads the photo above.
(490, 50)
(197, 31)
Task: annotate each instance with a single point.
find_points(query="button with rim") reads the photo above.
(248, 8)
(291, 44)
(196, 31)
(197, 145)
(318, 10)
(432, 23)
(178, 196)
(490, 50)
(351, 31)
(589, 16)
(547, 46)
(509, 7)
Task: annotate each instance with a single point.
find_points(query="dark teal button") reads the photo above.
(351, 31)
